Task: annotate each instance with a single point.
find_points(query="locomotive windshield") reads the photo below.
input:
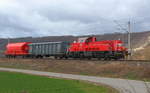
(82, 40)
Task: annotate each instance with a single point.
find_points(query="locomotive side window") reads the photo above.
(88, 40)
(82, 41)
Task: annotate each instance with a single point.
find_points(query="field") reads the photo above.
(82, 67)
(22, 83)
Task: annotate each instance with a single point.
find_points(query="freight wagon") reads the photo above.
(17, 49)
(47, 49)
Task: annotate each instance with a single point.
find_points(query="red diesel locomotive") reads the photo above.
(86, 47)
(90, 48)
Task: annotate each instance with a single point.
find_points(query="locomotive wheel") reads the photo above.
(66, 57)
(14, 57)
(107, 58)
(89, 58)
(99, 58)
(75, 58)
(116, 58)
(81, 56)
(23, 57)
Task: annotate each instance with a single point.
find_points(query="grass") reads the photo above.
(11, 82)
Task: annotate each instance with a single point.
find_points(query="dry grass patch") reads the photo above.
(104, 69)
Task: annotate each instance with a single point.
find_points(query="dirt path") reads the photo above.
(123, 85)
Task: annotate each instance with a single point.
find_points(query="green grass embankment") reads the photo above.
(22, 83)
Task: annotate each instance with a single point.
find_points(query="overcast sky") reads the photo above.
(21, 18)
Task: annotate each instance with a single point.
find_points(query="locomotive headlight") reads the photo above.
(119, 44)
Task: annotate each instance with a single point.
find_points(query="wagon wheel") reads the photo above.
(55, 57)
(81, 56)
(60, 57)
(99, 58)
(66, 57)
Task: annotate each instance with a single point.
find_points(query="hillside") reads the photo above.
(143, 54)
(139, 39)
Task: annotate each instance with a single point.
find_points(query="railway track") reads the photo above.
(136, 62)
(95, 60)
(128, 62)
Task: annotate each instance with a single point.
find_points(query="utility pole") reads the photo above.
(129, 39)
(129, 36)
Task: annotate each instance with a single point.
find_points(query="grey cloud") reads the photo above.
(70, 17)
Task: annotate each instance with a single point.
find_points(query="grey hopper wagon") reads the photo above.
(56, 49)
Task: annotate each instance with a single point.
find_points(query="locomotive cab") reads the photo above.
(86, 40)
(90, 39)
